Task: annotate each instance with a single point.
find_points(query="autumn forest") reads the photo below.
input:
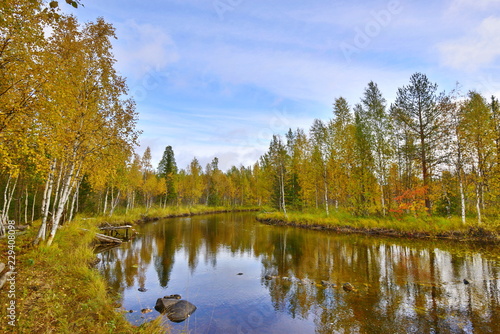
(68, 133)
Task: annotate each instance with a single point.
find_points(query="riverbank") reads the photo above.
(59, 290)
(404, 227)
(140, 215)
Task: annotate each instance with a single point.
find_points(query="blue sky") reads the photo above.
(219, 77)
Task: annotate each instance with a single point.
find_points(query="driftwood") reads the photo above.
(116, 229)
(106, 239)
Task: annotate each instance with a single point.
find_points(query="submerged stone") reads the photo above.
(175, 309)
(348, 287)
(327, 284)
(180, 311)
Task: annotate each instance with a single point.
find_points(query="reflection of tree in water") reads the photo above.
(165, 241)
(401, 286)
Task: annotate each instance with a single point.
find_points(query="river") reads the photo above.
(219, 263)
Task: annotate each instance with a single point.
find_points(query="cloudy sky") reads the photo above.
(219, 77)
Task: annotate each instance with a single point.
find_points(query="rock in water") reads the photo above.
(142, 289)
(348, 287)
(176, 296)
(327, 284)
(176, 310)
(180, 311)
(165, 303)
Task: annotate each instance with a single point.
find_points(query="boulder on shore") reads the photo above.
(175, 309)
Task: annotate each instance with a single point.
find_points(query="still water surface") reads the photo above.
(402, 286)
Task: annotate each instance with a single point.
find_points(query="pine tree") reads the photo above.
(416, 108)
(167, 169)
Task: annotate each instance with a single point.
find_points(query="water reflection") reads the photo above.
(401, 286)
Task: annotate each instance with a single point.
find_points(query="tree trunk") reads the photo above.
(325, 184)
(114, 204)
(382, 199)
(7, 199)
(47, 194)
(478, 204)
(63, 198)
(33, 206)
(283, 190)
(74, 201)
(462, 196)
(58, 187)
(478, 195)
(26, 204)
(105, 202)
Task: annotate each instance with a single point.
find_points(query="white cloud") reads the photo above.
(297, 75)
(459, 5)
(479, 48)
(142, 48)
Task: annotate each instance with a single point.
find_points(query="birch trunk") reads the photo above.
(33, 206)
(65, 191)
(105, 202)
(478, 205)
(325, 184)
(462, 197)
(75, 200)
(283, 191)
(382, 199)
(114, 203)
(47, 194)
(26, 204)
(7, 195)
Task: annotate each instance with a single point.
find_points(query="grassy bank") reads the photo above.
(408, 226)
(58, 289)
(140, 215)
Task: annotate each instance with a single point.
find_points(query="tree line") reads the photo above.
(68, 129)
(427, 153)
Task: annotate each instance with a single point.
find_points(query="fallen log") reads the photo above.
(115, 227)
(105, 238)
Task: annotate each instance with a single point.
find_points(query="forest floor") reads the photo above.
(57, 289)
(404, 227)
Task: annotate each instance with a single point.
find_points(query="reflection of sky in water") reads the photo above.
(226, 301)
(402, 286)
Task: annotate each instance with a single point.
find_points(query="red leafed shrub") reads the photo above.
(412, 201)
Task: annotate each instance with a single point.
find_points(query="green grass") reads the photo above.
(404, 226)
